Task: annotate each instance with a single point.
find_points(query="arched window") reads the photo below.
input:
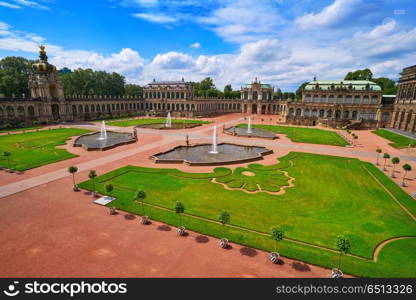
(323, 99)
(321, 113)
(357, 99)
(21, 111)
(31, 111)
(74, 110)
(365, 99)
(80, 108)
(87, 109)
(385, 116)
(306, 113)
(339, 99)
(92, 108)
(348, 99)
(374, 100)
(346, 114)
(298, 112)
(314, 113)
(308, 98)
(255, 96)
(245, 95)
(329, 114)
(331, 99)
(354, 115)
(315, 99)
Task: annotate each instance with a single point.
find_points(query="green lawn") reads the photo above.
(331, 196)
(398, 141)
(136, 122)
(33, 149)
(305, 135)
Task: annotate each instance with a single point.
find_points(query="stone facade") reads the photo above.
(351, 104)
(404, 115)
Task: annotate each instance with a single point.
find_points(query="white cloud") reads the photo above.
(31, 4)
(244, 20)
(172, 60)
(9, 5)
(195, 45)
(340, 12)
(155, 18)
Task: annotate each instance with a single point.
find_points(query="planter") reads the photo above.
(113, 210)
(1, 167)
(402, 184)
(75, 188)
(336, 273)
(181, 230)
(224, 243)
(94, 194)
(274, 257)
(144, 220)
(11, 170)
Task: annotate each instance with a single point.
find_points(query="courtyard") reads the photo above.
(314, 192)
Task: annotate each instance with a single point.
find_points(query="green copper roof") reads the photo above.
(346, 84)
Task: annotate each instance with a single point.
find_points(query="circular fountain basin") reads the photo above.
(162, 126)
(92, 141)
(255, 132)
(199, 154)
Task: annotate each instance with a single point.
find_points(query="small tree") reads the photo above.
(224, 218)
(179, 209)
(140, 196)
(277, 235)
(343, 246)
(386, 156)
(394, 161)
(7, 155)
(406, 168)
(73, 170)
(378, 150)
(92, 175)
(109, 188)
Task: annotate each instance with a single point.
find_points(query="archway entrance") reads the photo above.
(263, 109)
(254, 109)
(55, 111)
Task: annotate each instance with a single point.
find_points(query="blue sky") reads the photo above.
(282, 42)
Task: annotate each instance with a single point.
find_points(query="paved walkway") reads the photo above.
(402, 132)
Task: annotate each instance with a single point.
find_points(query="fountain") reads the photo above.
(168, 122)
(249, 130)
(103, 131)
(214, 149)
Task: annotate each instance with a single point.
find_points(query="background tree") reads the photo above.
(364, 74)
(7, 154)
(378, 150)
(277, 235)
(394, 161)
(300, 90)
(72, 170)
(14, 76)
(386, 156)
(140, 196)
(179, 209)
(344, 247)
(109, 189)
(406, 168)
(224, 218)
(92, 175)
(133, 90)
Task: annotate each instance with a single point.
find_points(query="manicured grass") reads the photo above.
(33, 149)
(136, 122)
(305, 135)
(20, 129)
(331, 196)
(398, 141)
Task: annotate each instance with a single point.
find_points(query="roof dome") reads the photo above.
(43, 66)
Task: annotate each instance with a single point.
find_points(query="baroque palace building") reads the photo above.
(404, 115)
(354, 104)
(348, 103)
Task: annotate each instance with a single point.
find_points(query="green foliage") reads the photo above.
(14, 76)
(89, 82)
(140, 195)
(133, 90)
(407, 167)
(224, 217)
(386, 156)
(179, 208)
(343, 244)
(395, 160)
(92, 174)
(364, 74)
(300, 90)
(277, 234)
(72, 169)
(109, 188)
